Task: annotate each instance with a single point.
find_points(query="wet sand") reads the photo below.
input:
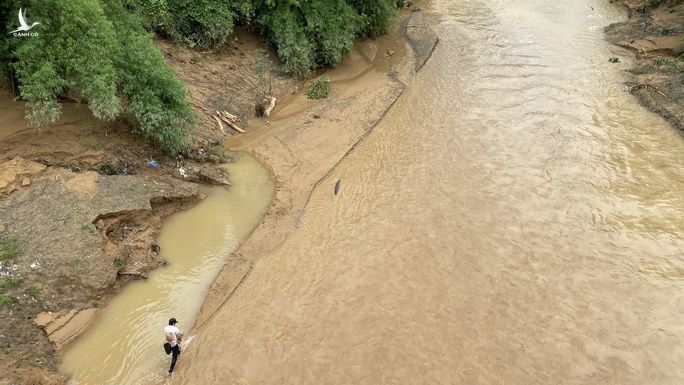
(515, 218)
(305, 139)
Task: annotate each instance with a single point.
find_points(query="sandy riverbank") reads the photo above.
(306, 140)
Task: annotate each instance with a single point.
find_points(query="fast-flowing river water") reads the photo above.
(517, 218)
(124, 346)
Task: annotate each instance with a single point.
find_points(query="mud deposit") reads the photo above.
(515, 218)
(59, 221)
(196, 243)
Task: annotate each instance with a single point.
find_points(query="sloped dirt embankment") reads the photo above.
(656, 36)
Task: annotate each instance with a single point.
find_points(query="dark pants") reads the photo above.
(175, 352)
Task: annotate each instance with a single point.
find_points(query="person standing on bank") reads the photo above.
(173, 337)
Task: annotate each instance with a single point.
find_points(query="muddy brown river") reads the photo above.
(517, 218)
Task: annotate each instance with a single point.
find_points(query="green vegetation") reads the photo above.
(666, 3)
(4, 285)
(202, 24)
(666, 64)
(9, 248)
(263, 66)
(319, 88)
(306, 34)
(102, 51)
(6, 299)
(32, 291)
(119, 262)
(309, 34)
(95, 51)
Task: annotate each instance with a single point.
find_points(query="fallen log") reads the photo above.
(646, 85)
(234, 126)
(230, 116)
(220, 124)
(133, 273)
(271, 106)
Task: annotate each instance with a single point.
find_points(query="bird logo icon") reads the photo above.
(22, 21)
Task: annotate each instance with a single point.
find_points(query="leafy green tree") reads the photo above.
(197, 23)
(308, 34)
(61, 59)
(201, 23)
(97, 51)
(156, 98)
(376, 16)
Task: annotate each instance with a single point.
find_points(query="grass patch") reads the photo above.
(119, 261)
(667, 3)
(9, 248)
(668, 64)
(32, 291)
(320, 88)
(5, 285)
(6, 300)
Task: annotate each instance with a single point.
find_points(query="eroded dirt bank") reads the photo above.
(655, 34)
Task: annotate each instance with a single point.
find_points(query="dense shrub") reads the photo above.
(197, 23)
(154, 96)
(284, 25)
(312, 34)
(201, 23)
(97, 51)
(376, 16)
(154, 13)
(68, 55)
(319, 89)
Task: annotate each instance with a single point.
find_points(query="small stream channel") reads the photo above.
(123, 347)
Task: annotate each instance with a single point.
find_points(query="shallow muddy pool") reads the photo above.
(124, 346)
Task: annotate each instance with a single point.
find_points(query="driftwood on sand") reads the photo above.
(645, 85)
(220, 124)
(271, 105)
(228, 118)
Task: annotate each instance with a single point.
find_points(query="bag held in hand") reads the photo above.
(167, 348)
